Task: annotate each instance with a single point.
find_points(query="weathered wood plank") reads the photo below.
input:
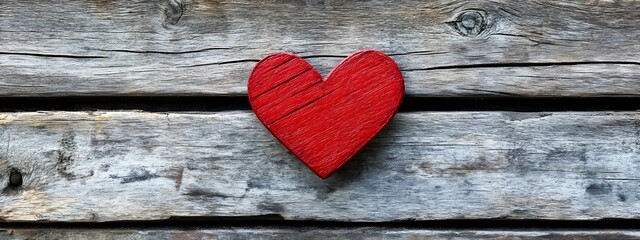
(204, 47)
(308, 233)
(105, 166)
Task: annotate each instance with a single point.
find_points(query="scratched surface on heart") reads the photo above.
(325, 122)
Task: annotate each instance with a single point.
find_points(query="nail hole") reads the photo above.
(15, 178)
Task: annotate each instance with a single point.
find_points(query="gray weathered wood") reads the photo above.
(206, 47)
(308, 233)
(105, 166)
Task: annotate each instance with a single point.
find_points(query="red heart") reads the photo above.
(325, 123)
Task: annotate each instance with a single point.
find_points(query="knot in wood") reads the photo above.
(470, 23)
(173, 12)
(15, 178)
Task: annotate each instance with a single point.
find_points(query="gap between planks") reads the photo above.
(230, 103)
(276, 222)
(308, 233)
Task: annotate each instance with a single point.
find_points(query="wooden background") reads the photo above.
(119, 165)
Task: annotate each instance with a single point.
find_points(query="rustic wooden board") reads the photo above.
(208, 47)
(308, 233)
(106, 166)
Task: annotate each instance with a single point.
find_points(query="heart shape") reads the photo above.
(325, 122)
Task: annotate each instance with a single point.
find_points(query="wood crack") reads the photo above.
(163, 52)
(49, 55)
(222, 63)
(490, 91)
(19, 85)
(522, 64)
(426, 52)
(536, 42)
(420, 52)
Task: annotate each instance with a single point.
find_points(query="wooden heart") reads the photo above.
(325, 122)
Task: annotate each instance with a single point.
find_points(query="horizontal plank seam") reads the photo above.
(410, 104)
(259, 221)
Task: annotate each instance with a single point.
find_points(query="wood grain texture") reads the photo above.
(325, 122)
(106, 166)
(207, 47)
(308, 233)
